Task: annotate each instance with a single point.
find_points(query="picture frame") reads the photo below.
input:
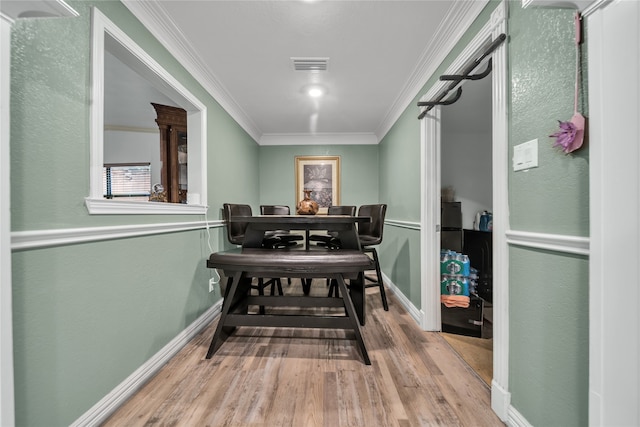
(321, 175)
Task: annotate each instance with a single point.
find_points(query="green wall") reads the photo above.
(358, 175)
(548, 301)
(86, 316)
(548, 337)
(542, 73)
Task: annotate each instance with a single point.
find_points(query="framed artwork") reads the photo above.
(320, 175)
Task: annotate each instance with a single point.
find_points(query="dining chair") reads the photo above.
(285, 239)
(370, 235)
(235, 235)
(330, 238)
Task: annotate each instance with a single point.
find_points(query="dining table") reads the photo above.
(343, 225)
(253, 260)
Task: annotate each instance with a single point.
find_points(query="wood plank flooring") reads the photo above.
(476, 352)
(316, 377)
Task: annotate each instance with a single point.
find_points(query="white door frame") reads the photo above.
(614, 207)
(6, 315)
(430, 205)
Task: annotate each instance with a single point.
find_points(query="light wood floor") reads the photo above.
(307, 377)
(477, 352)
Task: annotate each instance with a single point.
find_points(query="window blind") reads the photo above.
(130, 180)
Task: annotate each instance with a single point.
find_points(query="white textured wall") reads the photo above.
(133, 147)
(466, 165)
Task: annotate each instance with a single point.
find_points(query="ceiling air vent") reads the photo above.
(310, 64)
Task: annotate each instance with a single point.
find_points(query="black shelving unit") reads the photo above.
(472, 321)
(451, 226)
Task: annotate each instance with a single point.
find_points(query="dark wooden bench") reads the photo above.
(244, 264)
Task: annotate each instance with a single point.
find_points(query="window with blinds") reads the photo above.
(127, 180)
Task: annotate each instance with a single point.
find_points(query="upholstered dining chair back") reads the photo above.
(235, 230)
(342, 210)
(283, 238)
(235, 235)
(329, 239)
(371, 233)
(275, 210)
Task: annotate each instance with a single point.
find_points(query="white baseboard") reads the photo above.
(516, 419)
(112, 401)
(408, 305)
(500, 401)
(501, 405)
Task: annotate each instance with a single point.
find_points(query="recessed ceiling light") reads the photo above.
(315, 91)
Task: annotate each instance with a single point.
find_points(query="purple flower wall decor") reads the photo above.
(565, 136)
(571, 133)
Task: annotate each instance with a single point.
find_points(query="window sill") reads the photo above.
(128, 207)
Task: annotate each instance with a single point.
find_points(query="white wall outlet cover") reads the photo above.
(525, 155)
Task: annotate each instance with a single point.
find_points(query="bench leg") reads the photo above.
(357, 292)
(223, 332)
(351, 312)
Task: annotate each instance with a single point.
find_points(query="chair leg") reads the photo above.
(261, 286)
(333, 288)
(276, 282)
(306, 286)
(380, 283)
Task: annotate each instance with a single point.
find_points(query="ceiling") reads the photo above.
(379, 54)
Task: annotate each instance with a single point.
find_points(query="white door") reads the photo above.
(614, 110)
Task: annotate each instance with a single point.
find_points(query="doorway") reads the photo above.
(430, 208)
(466, 179)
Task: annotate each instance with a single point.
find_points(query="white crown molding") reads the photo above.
(460, 17)
(157, 21)
(33, 239)
(153, 16)
(553, 242)
(318, 139)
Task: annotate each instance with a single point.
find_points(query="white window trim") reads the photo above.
(134, 56)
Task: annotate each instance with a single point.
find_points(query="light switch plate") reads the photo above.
(525, 155)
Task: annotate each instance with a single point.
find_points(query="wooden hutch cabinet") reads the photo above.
(172, 122)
